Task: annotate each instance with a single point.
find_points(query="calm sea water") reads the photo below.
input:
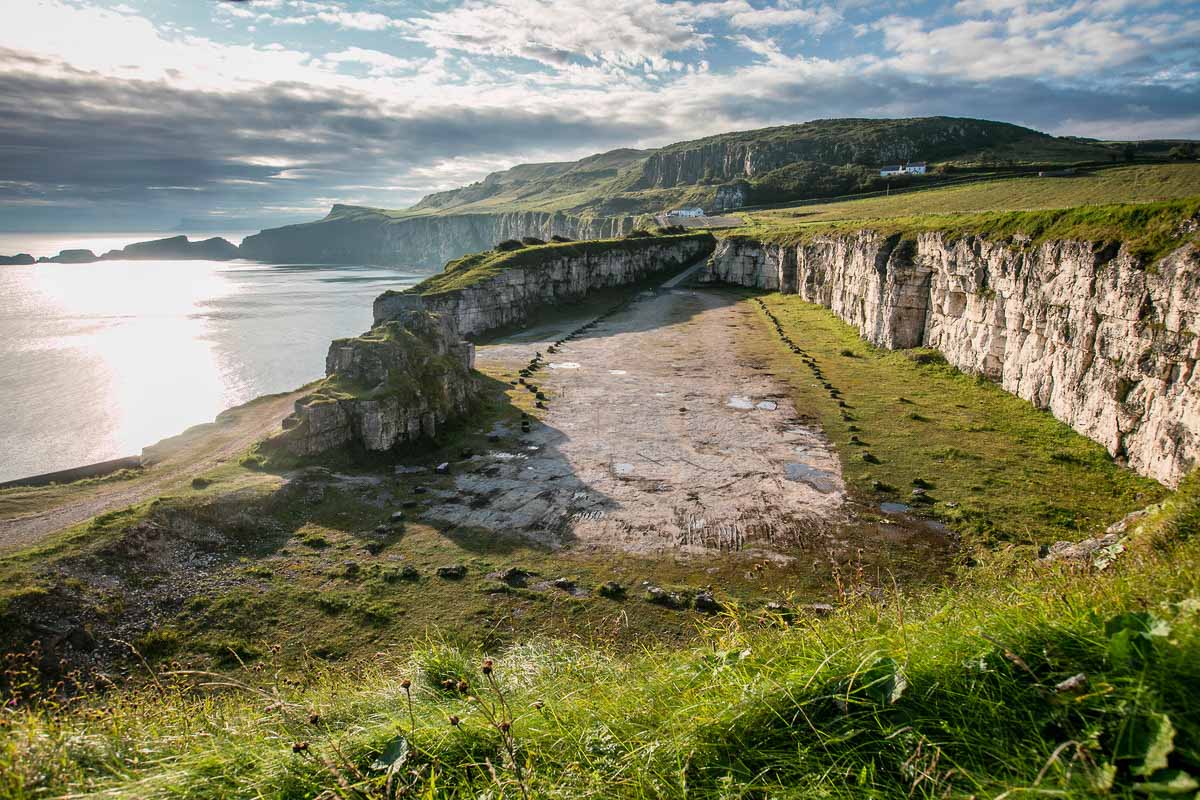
(99, 360)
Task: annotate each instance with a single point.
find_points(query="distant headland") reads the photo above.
(172, 248)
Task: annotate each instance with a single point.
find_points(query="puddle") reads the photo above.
(894, 508)
(821, 480)
(767, 405)
(564, 365)
(617, 372)
(662, 394)
(741, 401)
(623, 469)
(502, 456)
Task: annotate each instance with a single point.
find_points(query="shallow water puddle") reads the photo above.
(767, 405)
(740, 401)
(564, 365)
(894, 508)
(822, 480)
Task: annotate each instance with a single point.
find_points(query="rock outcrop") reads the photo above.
(512, 295)
(350, 235)
(176, 248)
(399, 382)
(76, 256)
(1106, 344)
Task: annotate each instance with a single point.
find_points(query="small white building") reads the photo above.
(911, 168)
(686, 212)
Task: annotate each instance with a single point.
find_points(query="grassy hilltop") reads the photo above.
(814, 159)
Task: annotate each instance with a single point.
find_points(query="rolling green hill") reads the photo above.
(1127, 184)
(813, 159)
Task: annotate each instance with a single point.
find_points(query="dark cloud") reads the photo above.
(128, 149)
(84, 152)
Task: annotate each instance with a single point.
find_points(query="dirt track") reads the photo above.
(178, 460)
(660, 436)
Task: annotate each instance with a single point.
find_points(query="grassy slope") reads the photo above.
(950, 693)
(997, 469)
(1134, 184)
(1149, 230)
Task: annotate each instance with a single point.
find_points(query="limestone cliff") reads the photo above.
(351, 235)
(398, 383)
(548, 275)
(1105, 343)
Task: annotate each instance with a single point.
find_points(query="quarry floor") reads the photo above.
(661, 435)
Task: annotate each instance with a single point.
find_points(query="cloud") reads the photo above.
(629, 33)
(235, 124)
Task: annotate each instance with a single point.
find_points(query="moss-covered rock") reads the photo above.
(396, 383)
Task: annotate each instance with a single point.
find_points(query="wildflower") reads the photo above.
(448, 684)
(488, 664)
(314, 719)
(300, 747)
(454, 720)
(505, 726)
(405, 684)
(462, 686)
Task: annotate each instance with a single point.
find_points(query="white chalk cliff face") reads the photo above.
(1106, 344)
(511, 296)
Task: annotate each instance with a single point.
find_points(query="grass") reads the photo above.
(1132, 184)
(1026, 679)
(1148, 230)
(992, 466)
(477, 267)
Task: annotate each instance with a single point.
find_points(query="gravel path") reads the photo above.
(177, 461)
(660, 436)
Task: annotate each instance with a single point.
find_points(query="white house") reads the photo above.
(686, 212)
(911, 168)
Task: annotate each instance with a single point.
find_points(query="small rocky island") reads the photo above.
(172, 248)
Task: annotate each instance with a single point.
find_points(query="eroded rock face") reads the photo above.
(1107, 345)
(511, 296)
(397, 383)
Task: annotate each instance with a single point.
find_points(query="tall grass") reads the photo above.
(1025, 680)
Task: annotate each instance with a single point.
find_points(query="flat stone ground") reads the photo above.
(660, 437)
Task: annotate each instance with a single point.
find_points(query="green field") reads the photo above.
(997, 470)
(1132, 184)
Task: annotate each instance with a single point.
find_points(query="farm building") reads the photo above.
(911, 168)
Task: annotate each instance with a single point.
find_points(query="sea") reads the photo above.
(99, 360)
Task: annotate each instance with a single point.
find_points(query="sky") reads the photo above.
(200, 115)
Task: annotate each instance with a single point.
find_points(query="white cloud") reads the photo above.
(628, 33)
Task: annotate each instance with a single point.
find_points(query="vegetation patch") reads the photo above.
(987, 463)
(1027, 679)
(1148, 230)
